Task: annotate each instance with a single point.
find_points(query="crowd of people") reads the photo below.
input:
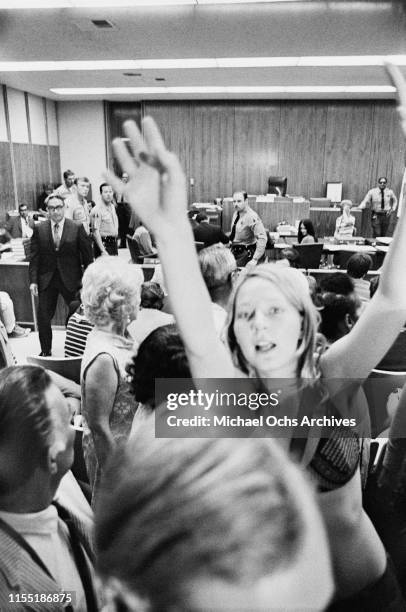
(195, 522)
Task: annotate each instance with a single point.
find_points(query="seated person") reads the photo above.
(48, 189)
(345, 223)
(358, 266)
(220, 524)
(143, 239)
(207, 233)
(306, 234)
(20, 226)
(5, 239)
(7, 316)
(44, 547)
(290, 257)
(219, 271)
(150, 315)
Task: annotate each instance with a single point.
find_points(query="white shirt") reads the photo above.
(26, 230)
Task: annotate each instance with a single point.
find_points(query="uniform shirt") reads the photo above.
(78, 209)
(26, 230)
(250, 230)
(104, 218)
(373, 200)
(64, 192)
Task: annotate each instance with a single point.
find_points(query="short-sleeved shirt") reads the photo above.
(64, 192)
(373, 200)
(344, 227)
(104, 219)
(250, 230)
(78, 210)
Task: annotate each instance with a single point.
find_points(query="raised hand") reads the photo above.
(156, 189)
(399, 82)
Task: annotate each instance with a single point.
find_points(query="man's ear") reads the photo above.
(52, 459)
(348, 322)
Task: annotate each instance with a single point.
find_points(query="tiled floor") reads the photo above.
(29, 345)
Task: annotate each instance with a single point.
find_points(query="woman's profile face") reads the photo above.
(346, 210)
(303, 229)
(267, 328)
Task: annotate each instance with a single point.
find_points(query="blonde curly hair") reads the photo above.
(111, 292)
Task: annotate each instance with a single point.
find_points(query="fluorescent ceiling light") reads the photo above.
(262, 89)
(48, 4)
(205, 62)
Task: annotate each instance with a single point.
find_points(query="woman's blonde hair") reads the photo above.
(111, 292)
(293, 285)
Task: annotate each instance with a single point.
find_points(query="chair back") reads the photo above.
(309, 255)
(278, 181)
(134, 250)
(69, 367)
(378, 388)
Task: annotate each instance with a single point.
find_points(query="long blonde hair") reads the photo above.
(295, 288)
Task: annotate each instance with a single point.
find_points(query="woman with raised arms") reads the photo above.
(271, 334)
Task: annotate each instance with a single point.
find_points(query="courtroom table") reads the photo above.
(270, 213)
(342, 252)
(14, 280)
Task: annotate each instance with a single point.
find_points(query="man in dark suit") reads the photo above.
(209, 234)
(20, 226)
(46, 557)
(60, 250)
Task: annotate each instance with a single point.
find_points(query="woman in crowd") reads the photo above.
(345, 223)
(272, 330)
(110, 296)
(306, 233)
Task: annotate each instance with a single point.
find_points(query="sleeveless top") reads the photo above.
(120, 350)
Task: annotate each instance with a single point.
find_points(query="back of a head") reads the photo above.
(161, 355)
(25, 424)
(201, 217)
(338, 282)
(334, 313)
(358, 265)
(178, 513)
(217, 264)
(152, 295)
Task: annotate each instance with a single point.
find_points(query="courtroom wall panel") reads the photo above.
(6, 182)
(348, 147)
(25, 165)
(256, 145)
(227, 145)
(302, 147)
(212, 152)
(25, 173)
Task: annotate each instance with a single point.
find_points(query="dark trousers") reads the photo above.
(380, 224)
(109, 243)
(47, 301)
(123, 214)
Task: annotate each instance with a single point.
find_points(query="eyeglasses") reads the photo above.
(53, 208)
(382, 182)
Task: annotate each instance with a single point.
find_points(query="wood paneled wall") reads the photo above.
(224, 146)
(25, 163)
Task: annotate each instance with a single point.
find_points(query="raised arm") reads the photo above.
(354, 355)
(156, 192)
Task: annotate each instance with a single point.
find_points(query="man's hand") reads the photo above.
(251, 264)
(34, 289)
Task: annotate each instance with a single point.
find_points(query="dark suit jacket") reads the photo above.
(209, 234)
(13, 226)
(74, 252)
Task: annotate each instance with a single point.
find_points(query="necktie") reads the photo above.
(382, 200)
(57, 238)
(232, 235)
